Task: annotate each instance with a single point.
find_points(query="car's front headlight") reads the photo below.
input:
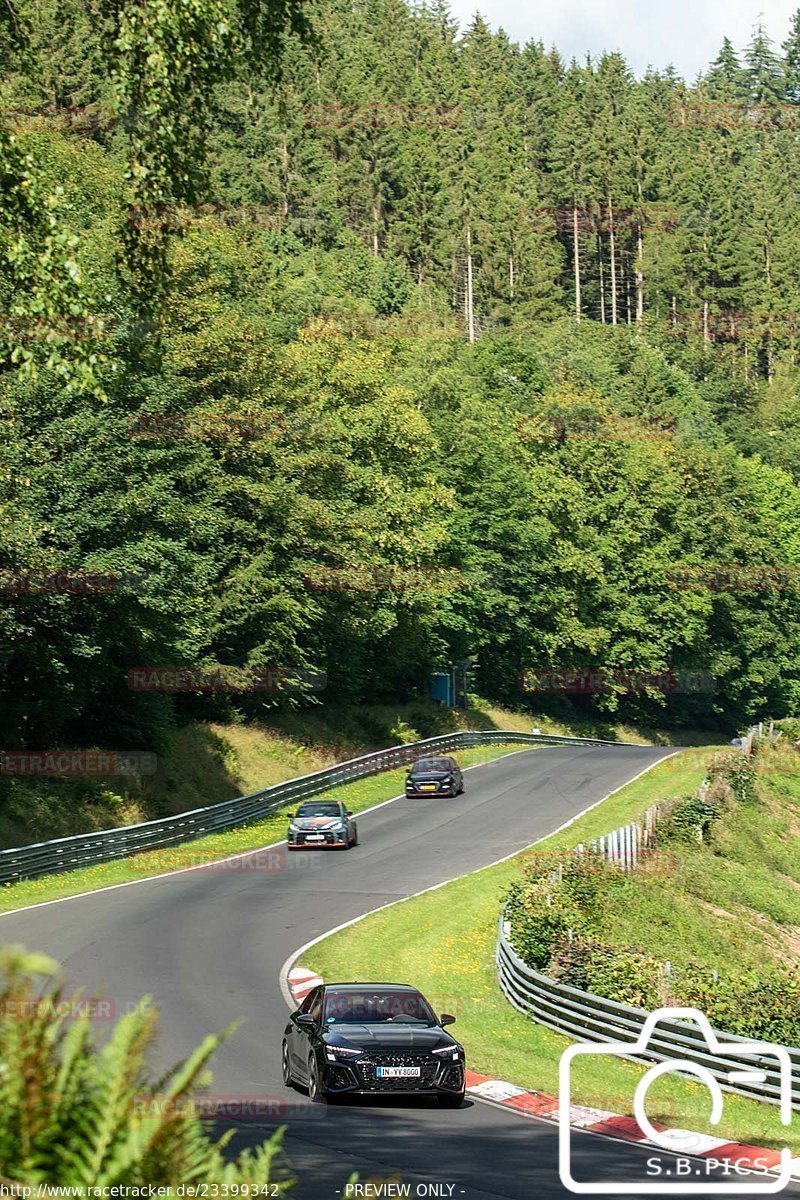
(294, 828)
(453, 1051)
(334, 1052)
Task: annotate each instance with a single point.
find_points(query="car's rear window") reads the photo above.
(370, 1007)
(318, 810)
(433, 764)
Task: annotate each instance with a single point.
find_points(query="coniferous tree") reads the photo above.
(725, 78)
(791, 62)
(764, 69)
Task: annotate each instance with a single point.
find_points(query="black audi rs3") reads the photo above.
(435, 777)
(372, 1039)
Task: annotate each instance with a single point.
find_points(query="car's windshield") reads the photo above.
(318, 810)
(433, 764)
(371, 1008)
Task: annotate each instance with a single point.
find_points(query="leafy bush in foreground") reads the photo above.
(73, 1114)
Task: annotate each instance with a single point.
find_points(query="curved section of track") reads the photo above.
(209, 944)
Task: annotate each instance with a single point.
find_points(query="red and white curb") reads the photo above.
(301, 982)
(596, 1120)
(583, 1116)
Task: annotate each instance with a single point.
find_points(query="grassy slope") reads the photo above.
(443, 941)
(205, 763)
(732, 901)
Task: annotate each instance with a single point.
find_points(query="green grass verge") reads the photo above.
(361, 794)
(443, 942)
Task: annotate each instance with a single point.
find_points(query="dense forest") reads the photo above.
(344, 345)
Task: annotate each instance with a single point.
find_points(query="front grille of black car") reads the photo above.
(426, 1063)
(305, 834)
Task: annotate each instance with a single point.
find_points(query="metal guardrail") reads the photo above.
(588, 1018)
(106, 845)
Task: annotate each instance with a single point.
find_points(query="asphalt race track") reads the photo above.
(208, 945)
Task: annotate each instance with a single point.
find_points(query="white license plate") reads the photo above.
(399, 1072)
(315, 837)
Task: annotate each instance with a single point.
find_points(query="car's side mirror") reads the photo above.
(347, 812)
(446, 1019)
(305, 1019)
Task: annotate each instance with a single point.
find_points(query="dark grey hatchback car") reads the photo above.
(435, 777)
(372, 1039)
